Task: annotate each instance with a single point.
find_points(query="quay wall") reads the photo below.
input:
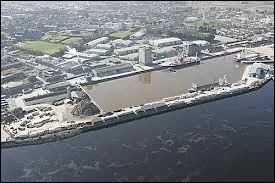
(155, 69)
(100, 123)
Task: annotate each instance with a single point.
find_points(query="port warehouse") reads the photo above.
(114, 69)
(99, 51)
(191, 48)
(165, 42)
(127, 50)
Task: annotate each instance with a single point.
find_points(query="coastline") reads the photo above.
(98, 123)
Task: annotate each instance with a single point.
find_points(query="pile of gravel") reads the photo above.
(85, 108)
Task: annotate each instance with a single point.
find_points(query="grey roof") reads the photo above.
(97, 41)
(201, 42)
(126, 49)
(98, 50)
(166, 40)
(57, 85)
(185, 43)
(105, 46)
(224, 39)
(113, 67)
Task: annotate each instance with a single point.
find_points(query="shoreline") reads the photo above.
(107, 122)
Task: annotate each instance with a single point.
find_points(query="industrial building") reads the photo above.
(68, 56)
(202, 43)
(51, 76)
(164, 52)
(130, 57)
(68, 64)
(116, 43)
(93, 43)
(165, 42)
(191, 49)
(81, 55)
(57, 86)
(97, 65)
(258, 70)
(127, 50)
(145, 56)
(11, 74)
(104, 46)
(14, 88)
(121, 43)
(90, 56)
(101, 52)
(113, 69)
(137, 35)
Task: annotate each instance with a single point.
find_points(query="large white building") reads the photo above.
(145, 56)
(137, 35)
(201, 43)
(101, 52)
(104, 46)
(165, 42)
(121, 43)
(127, 50)
(93, 43)
(112, 70)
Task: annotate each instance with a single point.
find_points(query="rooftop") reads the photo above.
(127, 48)
(166, 40)
(97, 40)
(224, 39)
(201, 42)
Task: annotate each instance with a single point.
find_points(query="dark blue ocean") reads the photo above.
(227, 140)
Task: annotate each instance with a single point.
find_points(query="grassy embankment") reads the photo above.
(51, 44)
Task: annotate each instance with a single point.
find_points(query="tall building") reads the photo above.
(145, 56)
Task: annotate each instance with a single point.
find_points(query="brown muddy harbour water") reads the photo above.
(153, 86)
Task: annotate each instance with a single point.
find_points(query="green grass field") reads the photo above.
(122, 34)
(41, 46)
(73, 41)
(143, 30)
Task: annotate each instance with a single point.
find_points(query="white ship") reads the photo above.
(245, 56)
(181, 62)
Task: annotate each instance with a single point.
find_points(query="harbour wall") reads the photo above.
(100, 123)
(155, 69)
